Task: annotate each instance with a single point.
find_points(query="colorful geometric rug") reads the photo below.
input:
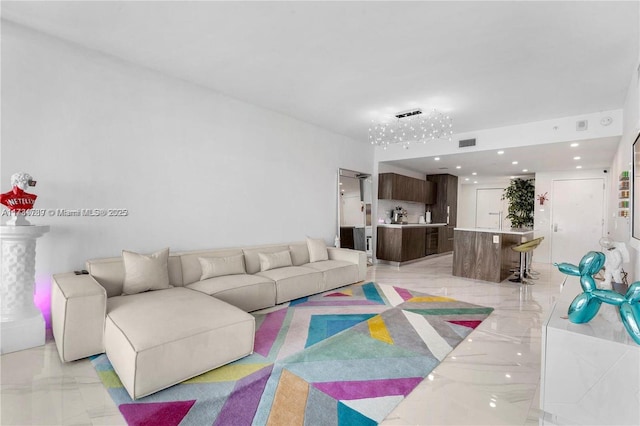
(344, 357)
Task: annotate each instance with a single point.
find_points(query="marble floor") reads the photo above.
(492, 378)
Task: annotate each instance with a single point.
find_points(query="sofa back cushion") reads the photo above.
(299, 253)
(280, 259)
(144, 272)
(109, 273)
(252, 258)
(191, 267)
(220, 266)
(317, 250)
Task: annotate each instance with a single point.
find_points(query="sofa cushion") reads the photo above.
(276, 260)
(293, 282)
(247, 292)
(317, 250)
(219, 266)
(109, 273)
(191, 268)
(335, 273)
(299, 253)
(145, 272)
(157, 339)
(252, 256)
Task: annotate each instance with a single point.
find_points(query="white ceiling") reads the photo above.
(338, 64)
(555, 157)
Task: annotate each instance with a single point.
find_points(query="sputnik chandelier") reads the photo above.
(409, 127)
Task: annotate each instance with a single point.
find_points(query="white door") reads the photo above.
(577, 218)
(490, 208)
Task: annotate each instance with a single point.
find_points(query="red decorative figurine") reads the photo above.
(17, 200)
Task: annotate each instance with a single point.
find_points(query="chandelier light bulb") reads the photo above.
(410, 127)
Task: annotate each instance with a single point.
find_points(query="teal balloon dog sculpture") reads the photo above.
(586, 305)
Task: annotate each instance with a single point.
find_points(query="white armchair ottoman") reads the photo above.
(157, 339)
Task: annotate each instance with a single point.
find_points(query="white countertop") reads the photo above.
(497, 231)
(410, 225)
(603, 326)
(589, 372)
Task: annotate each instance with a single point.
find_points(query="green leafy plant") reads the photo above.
(521, 196)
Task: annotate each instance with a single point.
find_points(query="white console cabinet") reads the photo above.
(590, 372)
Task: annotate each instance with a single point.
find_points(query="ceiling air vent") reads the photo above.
(467, 142)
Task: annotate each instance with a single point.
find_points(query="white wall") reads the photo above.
(620, 228)
(467, 196)
(195, 169)
(390, 168)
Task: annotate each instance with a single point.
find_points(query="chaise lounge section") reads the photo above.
(196, 317)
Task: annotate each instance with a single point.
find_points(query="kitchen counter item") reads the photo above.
(409, 225)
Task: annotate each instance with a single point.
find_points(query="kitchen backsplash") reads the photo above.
(414, 210)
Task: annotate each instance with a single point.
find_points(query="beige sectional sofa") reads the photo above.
(193, 319)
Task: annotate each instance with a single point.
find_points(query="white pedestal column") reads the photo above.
(22, 324)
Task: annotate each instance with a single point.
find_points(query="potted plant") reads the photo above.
(521, 196)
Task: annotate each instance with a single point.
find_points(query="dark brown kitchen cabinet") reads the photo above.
(400, 244)
(445, 239)
(412, 243)
(392, 186)
(430, 192)
(445, 209)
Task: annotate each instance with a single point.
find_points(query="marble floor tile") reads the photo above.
(491, 378)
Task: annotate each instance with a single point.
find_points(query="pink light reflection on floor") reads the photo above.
(42, 299)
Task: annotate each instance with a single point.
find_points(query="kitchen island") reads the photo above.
(486, 254)
(398, 244)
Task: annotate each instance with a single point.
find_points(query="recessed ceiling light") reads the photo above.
(525, 170)
(458, 167)
(475, 181)
(500, 152)
(578, 167)
(437, 158)
(474, 173)
(512, 177)
(514, 162)
(576, 158)
(340, 183)
(466, 178)
(573, 145)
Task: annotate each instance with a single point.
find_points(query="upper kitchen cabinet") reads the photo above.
(445, 209)
(392, 186)
(430, 192)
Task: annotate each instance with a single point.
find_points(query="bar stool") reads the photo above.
(530, 273)
(525, 249)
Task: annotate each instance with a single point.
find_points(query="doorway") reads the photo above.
(491, 209)
(354, 211)
(577, 218)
